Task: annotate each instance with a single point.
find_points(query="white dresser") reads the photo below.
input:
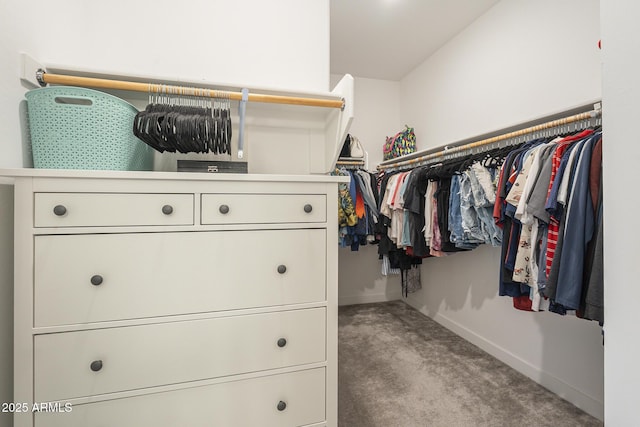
(150, 299)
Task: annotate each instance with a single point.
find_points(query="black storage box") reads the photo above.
(212, 166)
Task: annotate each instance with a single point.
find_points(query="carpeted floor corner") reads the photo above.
(398, 368)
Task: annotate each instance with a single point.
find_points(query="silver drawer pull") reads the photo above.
(282, 342)
(224, 209)
(59, 210)
(282, 269)
(281, 406)
(96, 280)
(308, 208)
(96, 365)
(167, 209)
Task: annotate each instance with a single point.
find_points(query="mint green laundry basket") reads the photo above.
(78, 128)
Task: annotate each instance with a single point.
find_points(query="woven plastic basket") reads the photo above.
(77, 128)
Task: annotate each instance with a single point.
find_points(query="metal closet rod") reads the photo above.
(446, 151)
(61, 79)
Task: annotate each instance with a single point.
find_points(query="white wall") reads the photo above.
(279, 44)
(376, 115)
(521, 60)
(241, 43)
(620, 92)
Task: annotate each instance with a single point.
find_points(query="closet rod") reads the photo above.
(399, 163)
(350, 163)
(61, 79)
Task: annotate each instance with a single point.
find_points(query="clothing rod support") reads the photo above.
(61, 79)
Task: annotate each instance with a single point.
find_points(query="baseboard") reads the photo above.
(369, 298)
(583, 401)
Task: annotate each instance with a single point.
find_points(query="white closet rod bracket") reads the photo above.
(29, 68)
(242, 110)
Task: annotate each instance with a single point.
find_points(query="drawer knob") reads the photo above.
(224, 209)
(59, 210)
(167, 209)
(282, 342)
(281, 406)
(96, 280)
(96, 365)
(282, 269)
(308, 208)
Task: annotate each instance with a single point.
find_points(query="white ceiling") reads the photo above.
(386, 39)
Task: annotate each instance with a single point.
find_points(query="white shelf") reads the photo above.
(318, 131)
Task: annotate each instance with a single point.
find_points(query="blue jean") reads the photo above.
(455, 216)
(483, 205)
(470, 222)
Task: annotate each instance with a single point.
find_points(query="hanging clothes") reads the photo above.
(414, 205)
(540, 201)
(549, 208)
(421, 213)
(395, 257)
(346, 210)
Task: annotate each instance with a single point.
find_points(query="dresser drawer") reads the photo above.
(244, 403)
(112, 209)
(263, 208)
(93, 278)
(83, 363)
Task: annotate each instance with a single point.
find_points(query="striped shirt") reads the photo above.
(554, 225)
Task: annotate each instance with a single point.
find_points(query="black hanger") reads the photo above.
(185, 129)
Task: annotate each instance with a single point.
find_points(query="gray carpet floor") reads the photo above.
(399, 368)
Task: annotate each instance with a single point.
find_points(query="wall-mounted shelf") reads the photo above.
(286, 131)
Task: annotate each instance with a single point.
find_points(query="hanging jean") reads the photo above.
(455, 217)
(457, 236)
(470, 222)
(486, 182)
(484, 196)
